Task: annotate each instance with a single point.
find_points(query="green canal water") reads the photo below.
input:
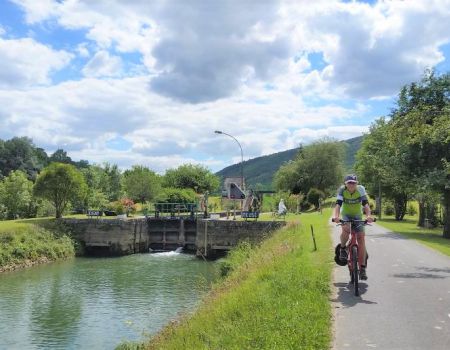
(97, 303)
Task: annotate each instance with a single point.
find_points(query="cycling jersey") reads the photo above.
(352, 203)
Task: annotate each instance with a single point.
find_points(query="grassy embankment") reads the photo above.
(275, 296)
(408, 228)
(25, 243)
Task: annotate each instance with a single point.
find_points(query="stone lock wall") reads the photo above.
(209, 238)
(214, 237)
(110, 237)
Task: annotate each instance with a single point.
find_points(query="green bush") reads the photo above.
(411, 209)
(45, 208)
(34, 242)
(177, 195)
(389, 208)
(314, 196)
(118, 207)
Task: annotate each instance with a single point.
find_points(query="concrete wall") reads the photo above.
(208, 238)
(110, 237)
(214, 237)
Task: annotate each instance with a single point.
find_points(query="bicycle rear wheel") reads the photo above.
(355, 269)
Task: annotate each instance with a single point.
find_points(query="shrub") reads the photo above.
(389, 208)
(411, 210)
(33, 242)
(116, 207)
(177, 195)
(128, 205)
(45, 208)
(314, 196)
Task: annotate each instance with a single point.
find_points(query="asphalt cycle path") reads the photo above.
(404, 304)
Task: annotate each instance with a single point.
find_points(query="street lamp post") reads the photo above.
(242, 155)
(242, 162)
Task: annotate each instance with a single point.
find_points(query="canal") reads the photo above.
(97, 303)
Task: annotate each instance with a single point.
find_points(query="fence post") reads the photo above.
(314, 238)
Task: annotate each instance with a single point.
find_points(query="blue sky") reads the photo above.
(148, 82)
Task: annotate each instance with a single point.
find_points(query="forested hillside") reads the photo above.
(258, 172)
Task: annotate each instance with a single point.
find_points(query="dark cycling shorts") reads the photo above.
(358, 227)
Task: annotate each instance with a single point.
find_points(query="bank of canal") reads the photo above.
(98, 302)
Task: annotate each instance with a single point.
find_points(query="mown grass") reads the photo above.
(408, 228)
(24, 242)
(275, 296)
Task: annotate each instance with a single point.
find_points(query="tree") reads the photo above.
(380, 165)
(196, 177)
(426, 134)
(141, 184)
(19, 153)
(412, 150)
(318, 165)
(315, 197)
(422, 121)
(60, 156)
(113, 186)
(16, 194)
(60, 184)
(287, 178)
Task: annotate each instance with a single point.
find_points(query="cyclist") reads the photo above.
(351, 198)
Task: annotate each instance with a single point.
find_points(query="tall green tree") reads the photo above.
(421, 120)
(60, 184)
(112, 187)
(141, 184)
(380, 164)
(60, 156)
(19, 153)
(319, 165)
(426, 134)
(411, 152)
(196, 177)
(16, 193)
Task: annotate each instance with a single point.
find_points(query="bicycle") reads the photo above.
(352, 247)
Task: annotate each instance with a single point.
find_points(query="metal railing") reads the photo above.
(175, 210)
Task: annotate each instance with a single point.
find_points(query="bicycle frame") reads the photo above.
(352, 248)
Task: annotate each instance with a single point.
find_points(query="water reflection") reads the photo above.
(55, 314)
(97, 303)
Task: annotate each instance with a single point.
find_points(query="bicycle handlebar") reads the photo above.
(356, 221)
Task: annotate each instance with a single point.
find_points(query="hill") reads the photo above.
(259, 172)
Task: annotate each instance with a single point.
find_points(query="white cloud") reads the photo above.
(244, 64)
(103, 65)
(25, 62)
(372, 50)
(83, 50)
(82, 116)
(37, 11)
(199, 51)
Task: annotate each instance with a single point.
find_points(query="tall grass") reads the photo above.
(23, 244)
(275, 296)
